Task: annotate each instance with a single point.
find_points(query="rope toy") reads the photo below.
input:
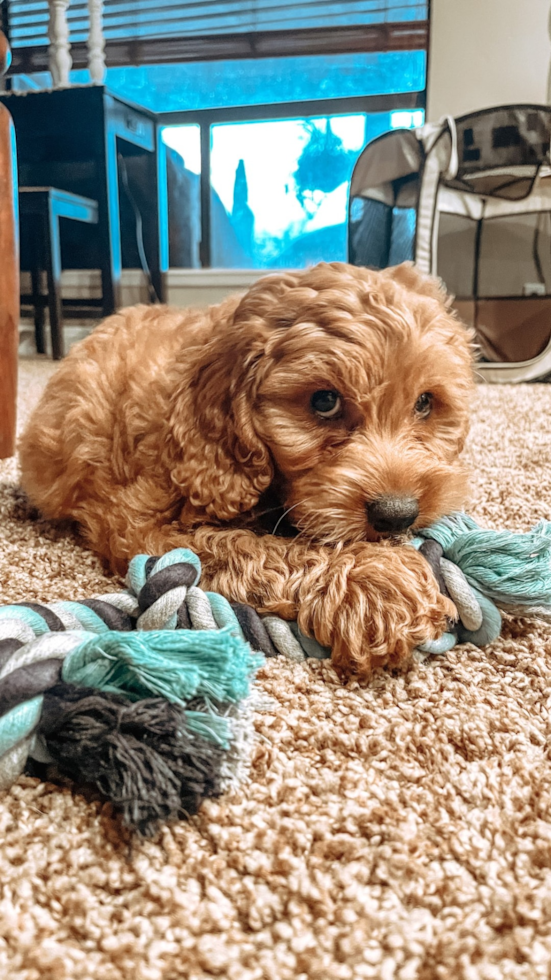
(148, 694)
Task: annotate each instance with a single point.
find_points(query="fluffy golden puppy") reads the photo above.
(337, 396)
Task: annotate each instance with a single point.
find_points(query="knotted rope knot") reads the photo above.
(485, 571)
(168, 597)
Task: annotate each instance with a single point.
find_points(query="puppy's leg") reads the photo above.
(370, 603)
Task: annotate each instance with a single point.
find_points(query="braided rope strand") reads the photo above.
(162, 595)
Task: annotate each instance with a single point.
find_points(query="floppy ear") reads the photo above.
(216, 458)
(408, 275)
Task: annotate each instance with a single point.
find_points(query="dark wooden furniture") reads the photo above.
(40, 208)
(9, 274)
(71, 139)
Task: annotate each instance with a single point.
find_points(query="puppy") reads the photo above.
(337, 397)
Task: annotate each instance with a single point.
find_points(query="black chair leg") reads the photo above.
(53, 273)
(38, 302)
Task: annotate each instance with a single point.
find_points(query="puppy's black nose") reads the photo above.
(391, 513)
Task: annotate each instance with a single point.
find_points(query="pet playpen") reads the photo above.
(469, 200)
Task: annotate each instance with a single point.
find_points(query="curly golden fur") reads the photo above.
(169, 428)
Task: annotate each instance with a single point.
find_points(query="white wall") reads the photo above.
(487, 52)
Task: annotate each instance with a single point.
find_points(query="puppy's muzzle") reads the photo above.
(392, 514)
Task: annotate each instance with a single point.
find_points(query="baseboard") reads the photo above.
(185, 287)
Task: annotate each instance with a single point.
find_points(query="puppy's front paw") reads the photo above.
(378, 605)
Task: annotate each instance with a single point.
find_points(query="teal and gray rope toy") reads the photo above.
(149, 695)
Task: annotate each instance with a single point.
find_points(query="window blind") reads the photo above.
(140, 19)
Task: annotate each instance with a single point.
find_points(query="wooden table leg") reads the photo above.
(9, 285)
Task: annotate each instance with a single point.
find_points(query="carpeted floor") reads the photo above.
(399, 831)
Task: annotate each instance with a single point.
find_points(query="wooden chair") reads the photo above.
(9, 273)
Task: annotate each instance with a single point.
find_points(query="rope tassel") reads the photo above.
(175, 665)
(84, 702)
(141, 755)
(485, 571)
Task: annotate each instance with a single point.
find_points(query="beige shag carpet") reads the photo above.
(398, 831)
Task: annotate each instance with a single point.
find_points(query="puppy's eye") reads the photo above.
(326, 404)
(423, 405)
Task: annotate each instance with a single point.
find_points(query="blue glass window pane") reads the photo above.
(283, 185)
(186, 140)
(219, 84)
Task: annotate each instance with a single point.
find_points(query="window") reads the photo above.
(279, 188)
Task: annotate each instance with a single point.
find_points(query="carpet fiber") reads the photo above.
(400, 830)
